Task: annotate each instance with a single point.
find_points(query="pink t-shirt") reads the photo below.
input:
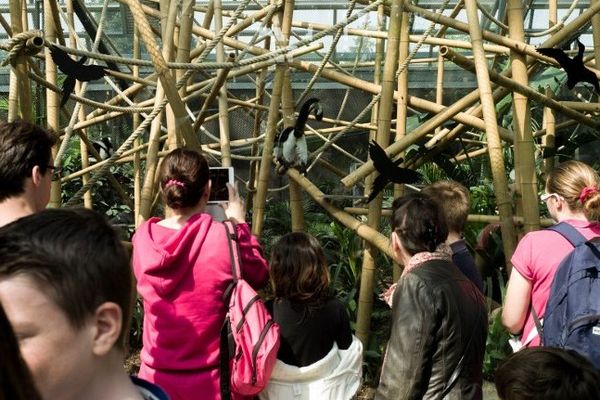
(537, 257)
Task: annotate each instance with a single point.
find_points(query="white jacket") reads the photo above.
(334, 377)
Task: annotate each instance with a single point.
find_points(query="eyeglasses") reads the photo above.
(546, 196)
(56, 172)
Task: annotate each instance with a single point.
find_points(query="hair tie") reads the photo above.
(174, 182)
(586, 192)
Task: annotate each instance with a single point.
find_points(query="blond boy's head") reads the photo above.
(453, 198)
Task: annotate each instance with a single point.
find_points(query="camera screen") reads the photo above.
(218, 191)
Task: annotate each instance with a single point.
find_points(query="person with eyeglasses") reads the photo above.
(26, 169)
(571, 195)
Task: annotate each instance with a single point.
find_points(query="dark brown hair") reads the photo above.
(419, 223)
(453, 199)
(23, 145)
(73, 254)
(16, 382)
(569, 179)
(547, 373)
(299, 270)
(183, 178)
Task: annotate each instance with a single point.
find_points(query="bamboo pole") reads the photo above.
(222, 93)
(181, 118)
(433, 41)
(402, 108)
(260, 196)
(214, 91)
(493, 138)
(20, 90)
(467, 64)
(137, 164)
(83, 150)
(470, 218)
(552, 13)
(168, 11)
(548, 140)
(365, 298)
(52, 98)
(260, 96)
(526, 181)
(378, 240)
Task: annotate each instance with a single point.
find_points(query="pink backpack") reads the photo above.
(249, 337)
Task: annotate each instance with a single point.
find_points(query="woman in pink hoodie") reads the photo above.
(182, 266)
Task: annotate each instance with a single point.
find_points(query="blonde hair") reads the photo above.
(453, 199)
(569, 179)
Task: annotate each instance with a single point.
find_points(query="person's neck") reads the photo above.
(14, 208)
(567, 214)
(182, 215)
(111, 382)
(453, 237)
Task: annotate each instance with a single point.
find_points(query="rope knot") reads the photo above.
(23, 44)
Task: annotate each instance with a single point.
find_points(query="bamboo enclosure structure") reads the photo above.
(177, 88)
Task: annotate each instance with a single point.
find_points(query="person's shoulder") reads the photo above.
(149, 391)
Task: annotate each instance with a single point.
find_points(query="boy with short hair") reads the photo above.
(66, 287)
(453, 198)
(26, 169)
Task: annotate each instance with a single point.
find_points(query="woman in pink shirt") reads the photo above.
(182, 265)
(571, 196)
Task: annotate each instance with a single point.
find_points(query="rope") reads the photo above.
(117, 154)
(17, 45)
(211, 45)
(557, 26)
(490, 16)
(75, 115)
(317, 73)
(377, 97)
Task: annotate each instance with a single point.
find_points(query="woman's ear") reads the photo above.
(206, 193)
(108, 322)
(396, 246)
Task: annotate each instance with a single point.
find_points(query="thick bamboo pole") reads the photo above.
(260, 196)
(524, 147)
(52, 98)
(402, 108)
(493, 138)
(596, 35)
(470, 218)
(548, 140)
(83, 150)
(552, 13)
(167, 80)
(20, 87)
(137, 164)
(511, 84)
(169, 11)
(365, 298)
(367, 233)
(222, 94)
(260, 96)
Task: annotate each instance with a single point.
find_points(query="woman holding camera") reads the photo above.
(182, 265)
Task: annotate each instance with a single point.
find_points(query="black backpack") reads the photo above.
(572, 317)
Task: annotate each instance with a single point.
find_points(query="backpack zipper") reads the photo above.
(261, 338)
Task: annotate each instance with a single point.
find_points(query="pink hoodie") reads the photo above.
(181, 276)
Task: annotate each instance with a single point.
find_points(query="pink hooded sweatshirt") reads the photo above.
(181, 276)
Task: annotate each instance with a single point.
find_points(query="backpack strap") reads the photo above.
(234, 249)
(568, 232)
(224, 342)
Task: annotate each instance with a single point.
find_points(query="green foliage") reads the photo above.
(496, 345)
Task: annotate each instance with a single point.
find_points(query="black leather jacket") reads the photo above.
(437, 315)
